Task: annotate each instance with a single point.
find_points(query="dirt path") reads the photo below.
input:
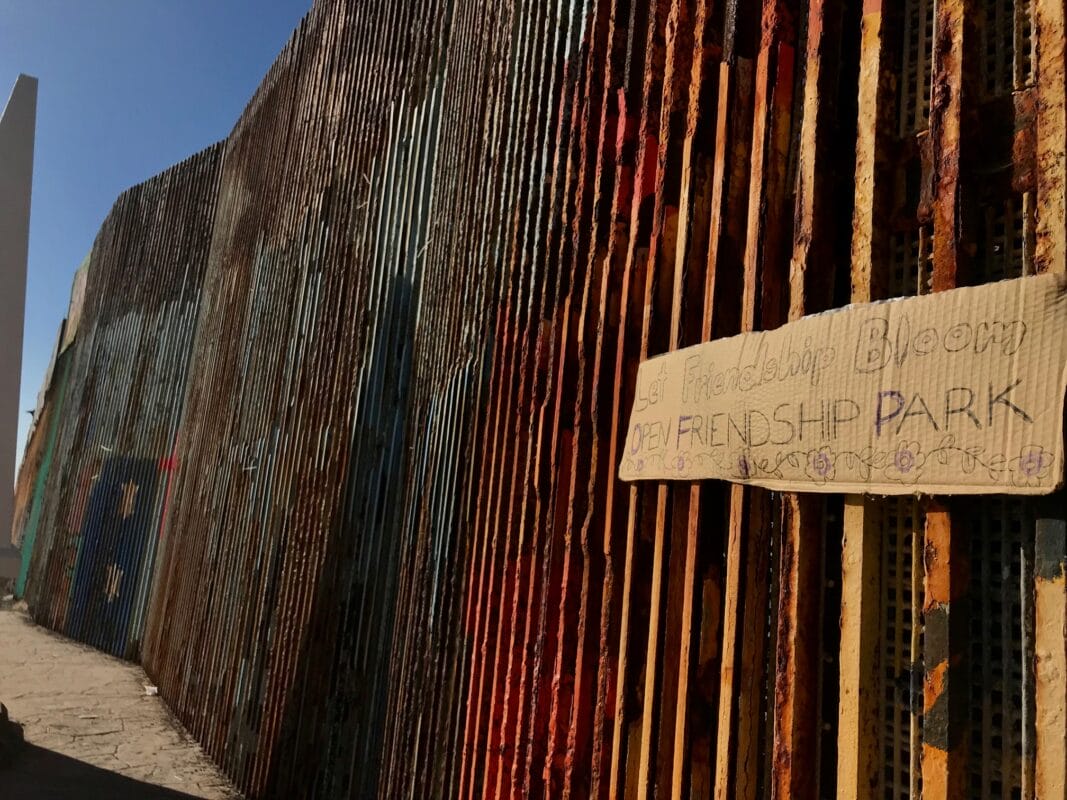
(90, 729)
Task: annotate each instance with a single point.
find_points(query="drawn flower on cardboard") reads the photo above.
(1032, 465)
(821, 466)
(906, 462)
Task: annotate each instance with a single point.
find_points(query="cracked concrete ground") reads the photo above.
(90, 729)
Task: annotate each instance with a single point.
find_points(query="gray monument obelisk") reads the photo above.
(17, 125)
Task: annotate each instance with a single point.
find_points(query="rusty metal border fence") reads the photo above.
(394, 559)
(344, 324)
(98, 498)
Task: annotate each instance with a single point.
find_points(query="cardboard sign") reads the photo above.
(954, 393)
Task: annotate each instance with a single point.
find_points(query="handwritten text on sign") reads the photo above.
(955, 393)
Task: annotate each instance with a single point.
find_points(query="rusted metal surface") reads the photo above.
(1050, 633)
(44, 432)
(859, 755)
(329, 363)
(953, 115)
(824, 168)
(101, 495)
(395, 559)
(37, 464)
(1049, 750)
(944, 680)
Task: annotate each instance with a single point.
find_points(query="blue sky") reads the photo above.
(127, 88)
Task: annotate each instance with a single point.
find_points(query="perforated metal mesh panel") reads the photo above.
(1004, 245)
(997, 530)
(1023, 44)
(1006, 28)
(901, 526)
(915, 82)
(770, 640)
(910, 269)
(899, 518)
(997, 29)
(830, 649)
(903, 263)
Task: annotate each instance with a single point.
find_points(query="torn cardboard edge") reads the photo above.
(960, 392)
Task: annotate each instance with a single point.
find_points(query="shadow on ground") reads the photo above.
(39, 774)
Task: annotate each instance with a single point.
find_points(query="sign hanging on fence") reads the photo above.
(959, 392)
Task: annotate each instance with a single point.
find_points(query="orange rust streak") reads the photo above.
(946, 115)
(737, 759)
(935, 772)
(944, 743)
(796, 676)
(1051, 31)
(934, 683)
(954, 62)
(1050, 591)
(859, 718)
(795, 728)
(727, 90)
(663, 247)
(937, 554)
(637, 265)
(681, 712)
(588, 696)
(569, 702)
(728, 677)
